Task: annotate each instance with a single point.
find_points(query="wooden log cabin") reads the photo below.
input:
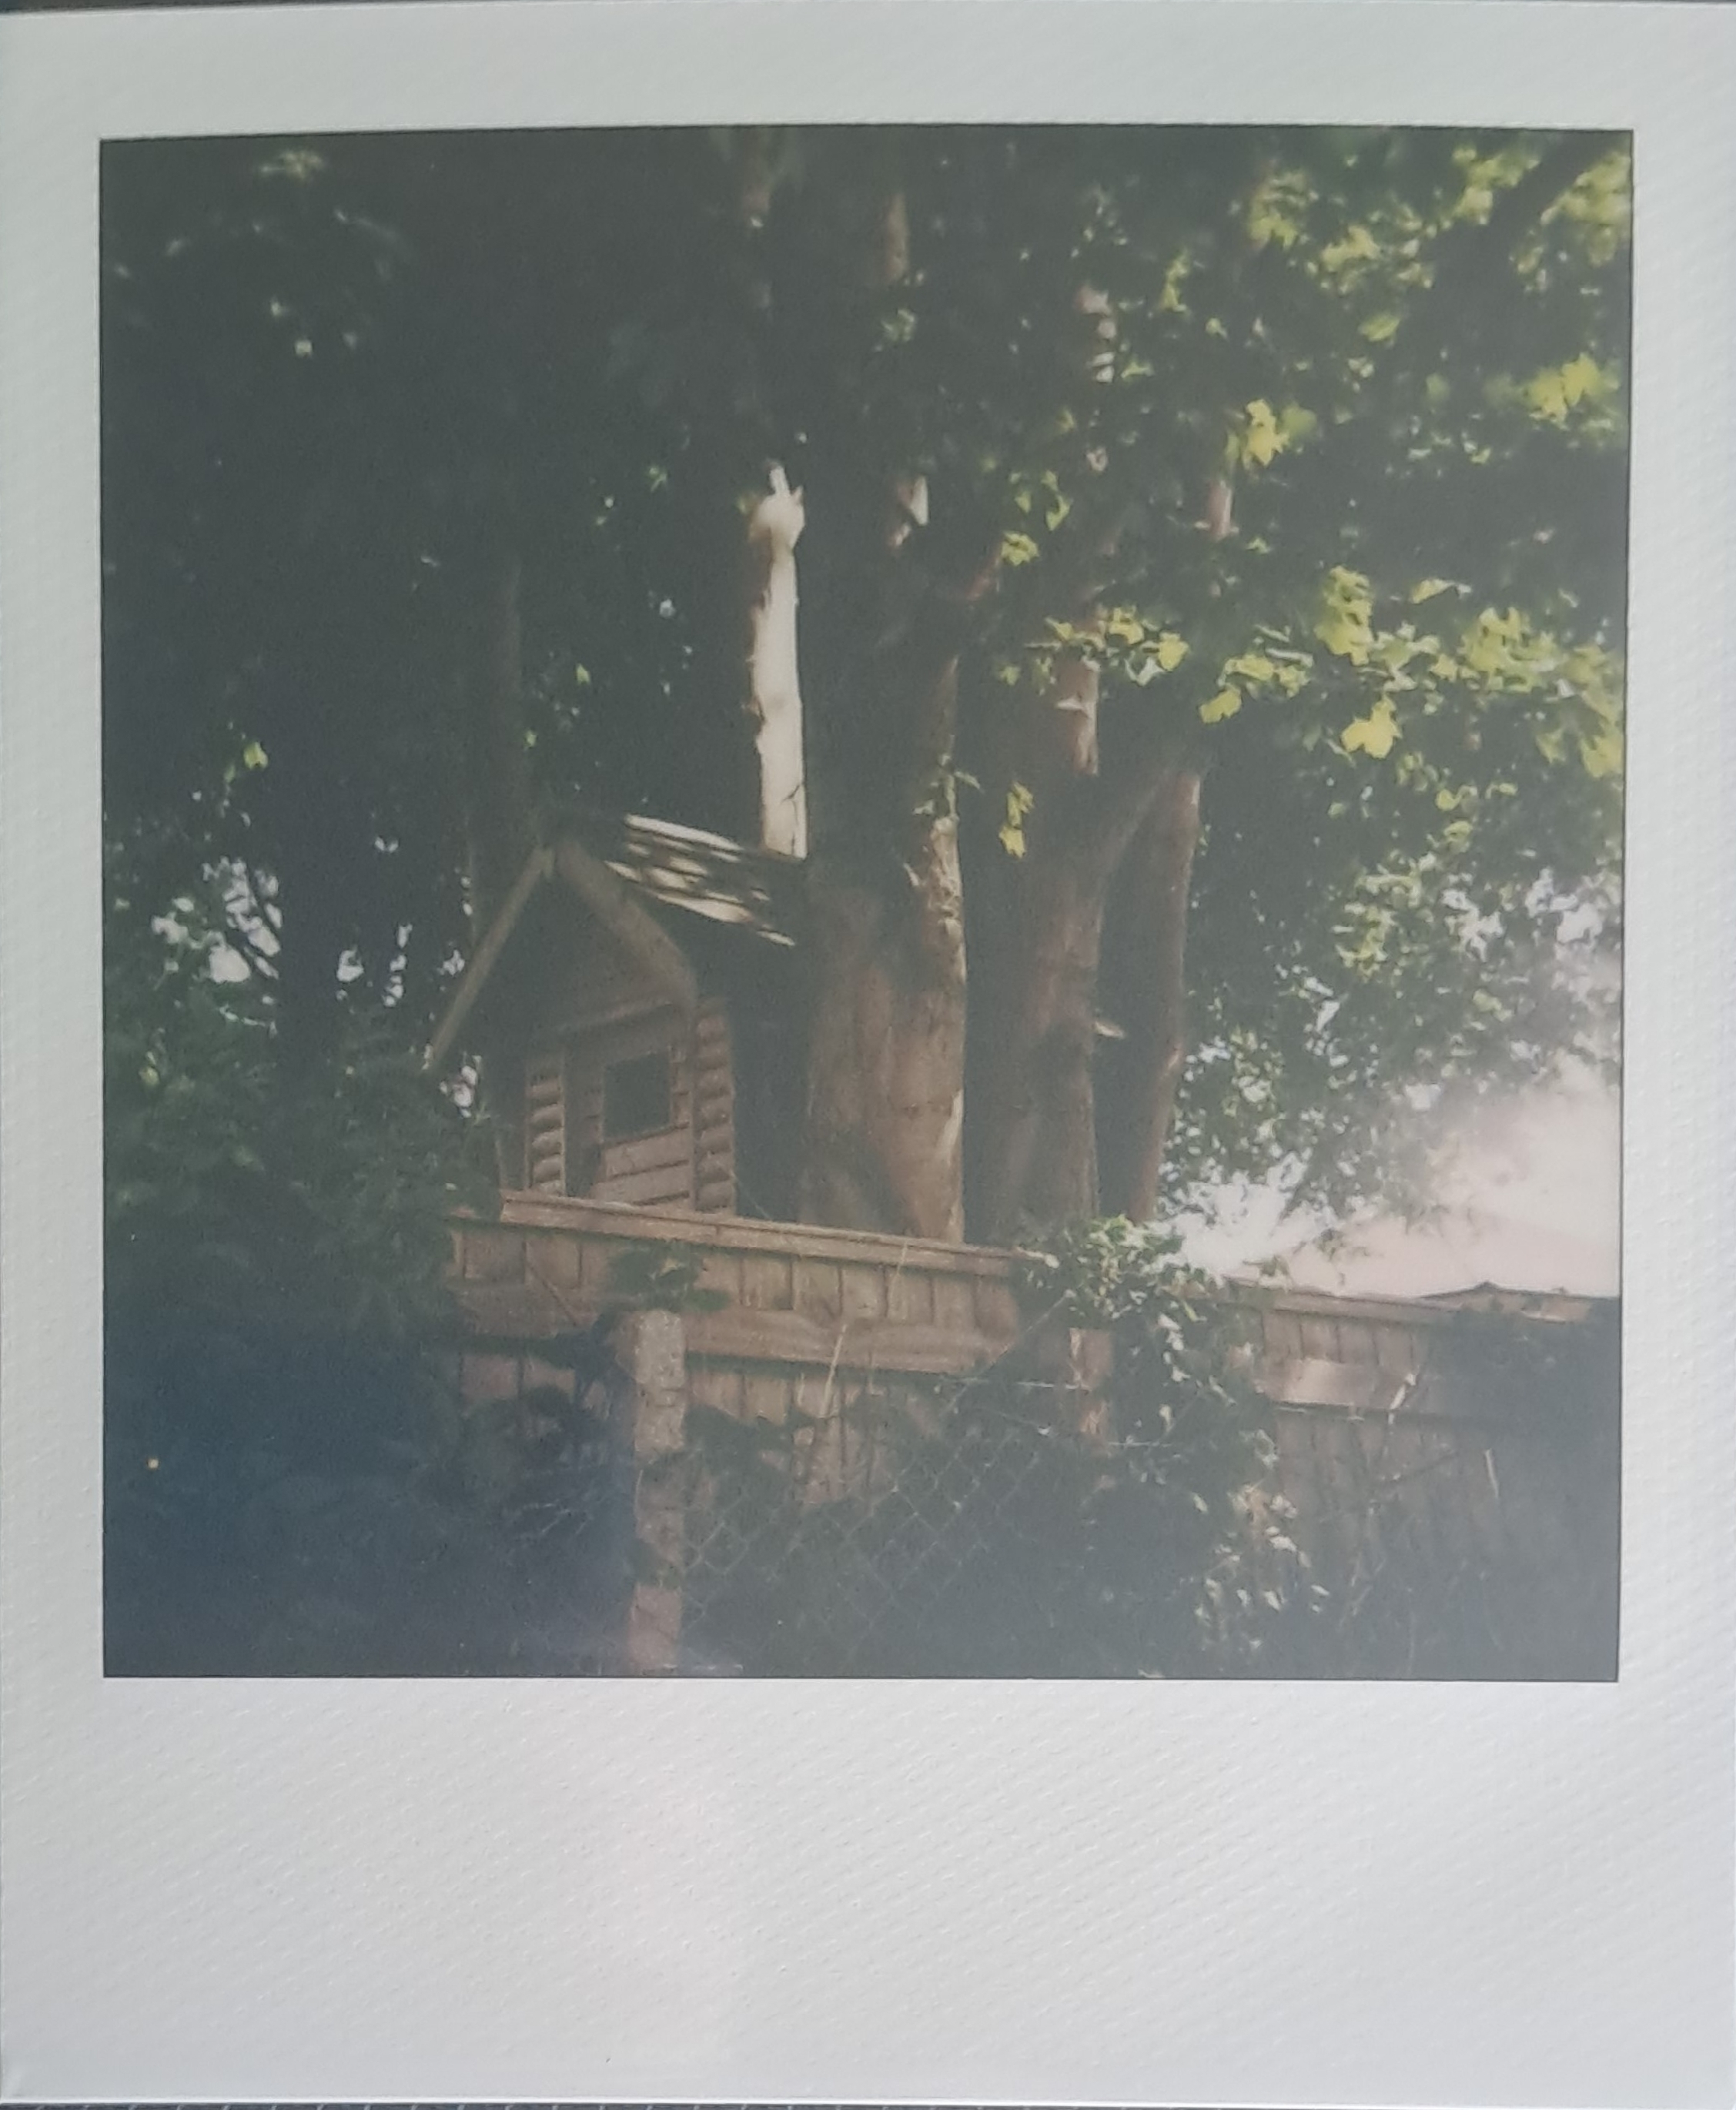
(632, 1004)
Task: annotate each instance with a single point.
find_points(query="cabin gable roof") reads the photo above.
(627, 874)
(756, 891)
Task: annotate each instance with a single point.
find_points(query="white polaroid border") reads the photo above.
(1239, 1894)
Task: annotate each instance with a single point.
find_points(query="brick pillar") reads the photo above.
(651, 1347)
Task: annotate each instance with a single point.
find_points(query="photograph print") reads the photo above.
(862, 902)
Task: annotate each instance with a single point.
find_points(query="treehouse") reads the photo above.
(632, 1005)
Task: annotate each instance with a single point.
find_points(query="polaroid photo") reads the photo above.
(866, 1068)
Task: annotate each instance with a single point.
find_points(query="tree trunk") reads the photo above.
(883, 1148)
(1037, 1032)
(1036, 1102)
(893, 593)
(1143, 1071)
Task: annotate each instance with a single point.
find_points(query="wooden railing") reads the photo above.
(796, 1293)
(808, 1297)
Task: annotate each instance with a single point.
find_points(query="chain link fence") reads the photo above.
(819, 1524)
(901, 1535)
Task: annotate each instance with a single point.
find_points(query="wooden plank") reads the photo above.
(793, 1336)
(864, 1293)
(819, 1289)
(1355, 1342)
(648, 1154)
(749, 1234)
(997, 1308)
(1309, 1381)
(556, 1260)
(1363, 1388)
(662, 1184)
(1423, 1313)
(596, 1265)
(768, 1283)
(539, 1376)
(954, 1304)
(720, 1274)
(1413, 1455)
(491, 1255)
(1414, 1320)
(521, 1310)
(1319, 1339)
(1341, 1493)
(1395, 1349)
(1299, 1482)
(765, 1395)
(910, 1295)
(717, 1385)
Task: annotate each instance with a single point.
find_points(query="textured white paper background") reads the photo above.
(1256, 1895)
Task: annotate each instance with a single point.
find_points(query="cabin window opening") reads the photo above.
(638, 1096)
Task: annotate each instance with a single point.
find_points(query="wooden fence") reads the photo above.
(1463, 1511)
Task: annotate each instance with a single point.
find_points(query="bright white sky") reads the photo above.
(1534, 1203)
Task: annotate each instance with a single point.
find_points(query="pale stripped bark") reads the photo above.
(774, 526)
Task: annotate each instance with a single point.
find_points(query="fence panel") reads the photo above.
(868, 1463)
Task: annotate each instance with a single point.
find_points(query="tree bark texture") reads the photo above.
(884, 1139)
(774, 701)
(1037, 1035)
(1142, 1071)
(895, 593)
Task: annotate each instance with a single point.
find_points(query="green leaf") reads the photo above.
(1375, 734)
(1261, 438)
(1602, 755)
(1345, 625)
(1012, 831)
